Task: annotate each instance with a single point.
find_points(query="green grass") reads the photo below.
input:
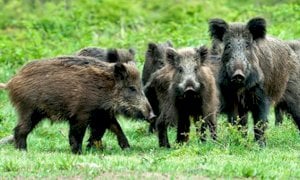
(40, 30)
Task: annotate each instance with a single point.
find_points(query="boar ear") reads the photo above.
(257, 27)
(171, 56)
(202, 53)
(132, 51)
(153, 51)
(120, 71)
(152, 48)
(169, 43)
(217, 28)
(113, 55)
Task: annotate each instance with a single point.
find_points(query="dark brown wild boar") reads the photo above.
(108, 55)
(192, 93)
(82, 90)
(282, 107)
(157, 92)
(256, 70)
(155, 58)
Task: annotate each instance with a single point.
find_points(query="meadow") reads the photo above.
(36, 29)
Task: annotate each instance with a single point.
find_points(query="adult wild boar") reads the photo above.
(256, 69)
(192, 93)
(282, 107)
(108, 55)
(82, 90)
(155, 58)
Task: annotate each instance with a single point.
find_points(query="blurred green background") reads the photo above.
(31, 29)
(35, 29)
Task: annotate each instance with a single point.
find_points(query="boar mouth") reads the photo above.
(136, 114)
(151, 117)
(189, 89)
(190, 92)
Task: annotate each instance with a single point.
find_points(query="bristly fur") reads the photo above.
(176, 106)
(269, 68)
(155, 59)
(79, 90)
(108, 55)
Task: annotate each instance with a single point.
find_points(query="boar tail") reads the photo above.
(3, 86)
(7, 140)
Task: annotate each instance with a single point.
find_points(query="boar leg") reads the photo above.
(294, 109)
(98, 129)
(295, 112)
(201, 131)
(162, 132)
(292, 101)
(152, 127)
(212, 124)
(243, 120)
(28, 119)
(97, 132)
(76, 134)
(232, 118)
(183, 128)
(278, 114)
(232, 110)
(201, 127)
(260, 113)
(152, 98)
(117, 130)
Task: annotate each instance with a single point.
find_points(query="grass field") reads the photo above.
(34, 29)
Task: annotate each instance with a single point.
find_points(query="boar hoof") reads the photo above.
(165, 145)
(262, 143)
(124, 145)
(95, 145)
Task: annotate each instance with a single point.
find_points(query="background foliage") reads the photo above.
(34, 29)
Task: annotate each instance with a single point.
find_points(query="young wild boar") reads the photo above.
(82, 90)
(281, 107)
(154, 59)
(157, 92)
(256, 69)
(192, 93)
(108, 55)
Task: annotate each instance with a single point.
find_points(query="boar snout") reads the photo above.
(149, 115)
(190, 86)
(189, 89)
(238, 76)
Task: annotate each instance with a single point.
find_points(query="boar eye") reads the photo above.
(196, 69)
(160, 63)
(247, 45)
(180, 69)
(132, 89)
(228, 46)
